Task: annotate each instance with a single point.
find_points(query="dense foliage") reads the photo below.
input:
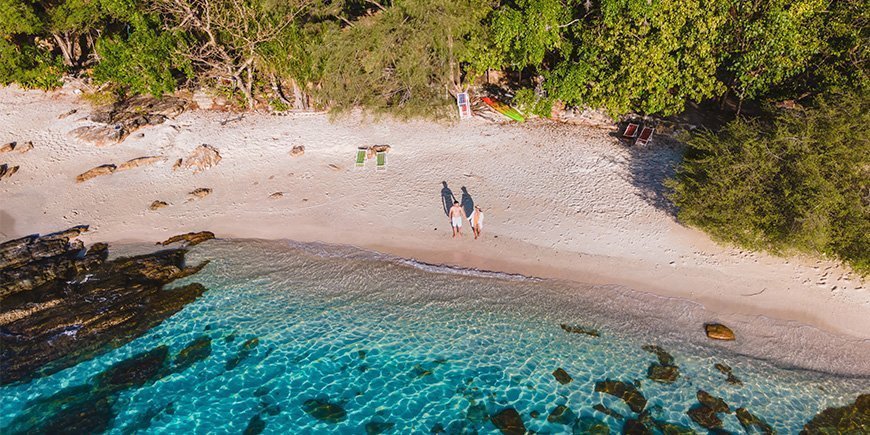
(410, 56)
(798, 183)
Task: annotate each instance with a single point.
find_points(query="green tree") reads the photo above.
(800, 183)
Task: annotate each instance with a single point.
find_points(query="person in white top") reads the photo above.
(476, 221)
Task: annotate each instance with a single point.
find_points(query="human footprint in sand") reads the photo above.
(457, 214)
(476, 221)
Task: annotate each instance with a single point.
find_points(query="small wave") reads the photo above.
(454, 270)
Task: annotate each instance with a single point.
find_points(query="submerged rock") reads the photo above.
(590, 426)
(663, 356)
(726, 370)
(509, 422)
(243, 354)
(476, 413)
(667, 428)
(378, 427)
(705, 417)
(324, 411)
(194, 352)
(718, 331)
(625, 391)
(134, 372)
(607, 411)
(561, 414)
(712, 402)
(664, 374)
(562, 376)
(92, 416)
(190, 239)
(574, 329)
(419, 371)
(255, 426)
(854, 418)
(60, 304)
(750, 422)
(635, 427)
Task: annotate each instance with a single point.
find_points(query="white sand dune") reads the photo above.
(561, 201)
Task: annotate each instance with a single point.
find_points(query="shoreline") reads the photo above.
(563, 202)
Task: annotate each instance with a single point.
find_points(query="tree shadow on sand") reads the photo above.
(648, 168)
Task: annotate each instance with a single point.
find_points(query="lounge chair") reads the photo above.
(382, 161)
(645, 136)
(360, 158)
(631, 131)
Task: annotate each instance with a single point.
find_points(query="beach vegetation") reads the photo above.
(798, 181)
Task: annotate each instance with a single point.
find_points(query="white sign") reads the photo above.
(464, 105)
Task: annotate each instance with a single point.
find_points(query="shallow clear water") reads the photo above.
(416, 346)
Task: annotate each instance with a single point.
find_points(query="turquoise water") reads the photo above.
(414, 347)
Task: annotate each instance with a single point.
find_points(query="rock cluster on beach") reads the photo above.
(201, 158)
(61, 304)
(117, 121)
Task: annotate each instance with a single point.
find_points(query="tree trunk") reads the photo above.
(276, 88)
(299, 102)
(63, 42)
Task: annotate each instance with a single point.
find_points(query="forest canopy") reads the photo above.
(409, 56)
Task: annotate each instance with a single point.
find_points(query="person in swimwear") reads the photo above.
(476, 221)
(457, 214)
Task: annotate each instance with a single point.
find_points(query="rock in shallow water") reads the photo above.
(509, 422)
(705, 417)
(196, 351)
(726, 370)
(255, 426)
(712, 402)
(59, 307)
(378, 427)
(752, 423)
(853, 418)
(561, 414)
(574, 329)
(625, 391)
(663, 356)
(324, 410)
(189, 239)
(562, 376)
(664, 374)
(134, 372)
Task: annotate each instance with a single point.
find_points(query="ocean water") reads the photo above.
(404, 347)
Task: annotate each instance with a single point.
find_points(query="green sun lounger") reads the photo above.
(382, 161)
(360, 158)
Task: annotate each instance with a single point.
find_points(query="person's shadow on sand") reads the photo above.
(466, 202)
(447, 198)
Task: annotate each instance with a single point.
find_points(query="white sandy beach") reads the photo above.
(561, 201)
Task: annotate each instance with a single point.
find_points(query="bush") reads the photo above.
(29, 66)
(800, 183)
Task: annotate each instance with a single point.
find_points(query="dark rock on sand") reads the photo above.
(854, 418)
(607, 411)
(255, 426)
(705, 417)
(562, 415)
(750, 422)
(726, 370)
(665, 374)
(60, 304)
(718, 331)
(96, 172)
(562, 376)
(189, 239)
(712, 402)
(663, 356)
(156, 205)
(199, 193)
(7, 171)
(625, 391)
(509, 422)
(324, 411)
(574, 329)
(378, 427)
(194, 352)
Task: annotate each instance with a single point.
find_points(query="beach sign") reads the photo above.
(464, 105)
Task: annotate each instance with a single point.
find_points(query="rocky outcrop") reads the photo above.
(854, 418)
(705, 417)
(561, 414)
(61, 304)
(574, 329)
(562, 376)
(297, 151)
(663, 374)
(625, 391)
(718, 331)
(324, 410)
(96, 172)
(7, 171)
(509, 422)
(99, 135)
(201, 158)
(189, 239)
(117, 121)
(14, 146)
(140, 161)
(712, 402)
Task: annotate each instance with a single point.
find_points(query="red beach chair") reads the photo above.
(645, 136)
(630, 131)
